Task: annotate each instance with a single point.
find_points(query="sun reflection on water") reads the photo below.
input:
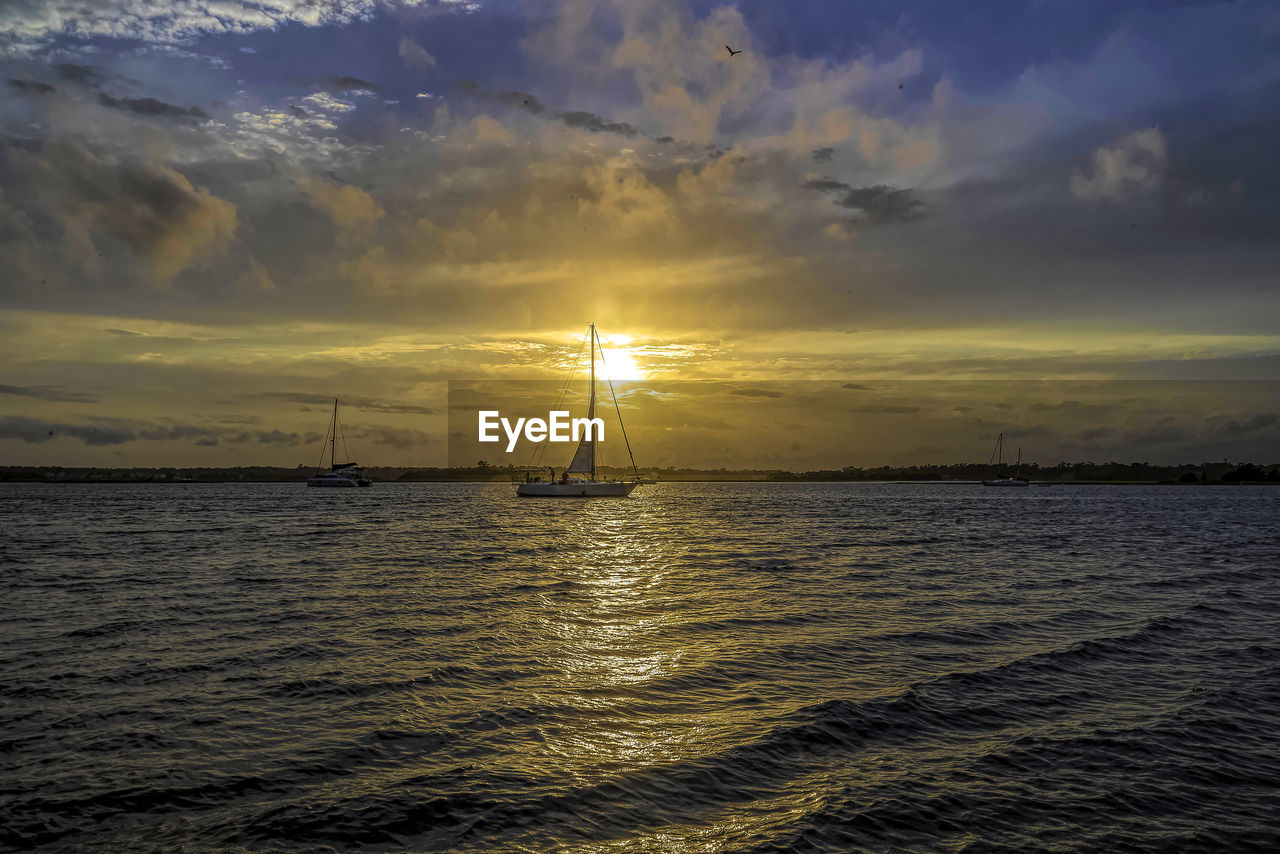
(604, 638)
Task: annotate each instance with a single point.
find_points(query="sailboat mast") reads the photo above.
(333, 435)
(591, 411)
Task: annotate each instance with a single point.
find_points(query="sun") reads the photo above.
(620, 364)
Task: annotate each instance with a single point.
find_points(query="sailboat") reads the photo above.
(579, 478)
(1005, 479)
(339, 474)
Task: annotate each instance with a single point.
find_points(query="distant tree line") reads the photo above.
(1063, 472)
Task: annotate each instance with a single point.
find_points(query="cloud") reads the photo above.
(522, 100)
(415, 55)
(453, 238)
(879, 204)
(265, 437)
(756, 392)
(365, 403)
(570, 118)
(324, 101)
(48, 392)
(340, 84)
(100, 431)
(31, 87)
(1263, 422)
(96, 200)
(86, 74)
(886, 409)
(1134, 165)
(595, 124)
(169, 222)
(350, 207)
(151, 107)
(398, 438)
(30, 24)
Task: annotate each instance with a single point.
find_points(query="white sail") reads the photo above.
(584, 460)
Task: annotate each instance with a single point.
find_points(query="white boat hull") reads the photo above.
(1012, 481)
(581, 489)
(338, 480)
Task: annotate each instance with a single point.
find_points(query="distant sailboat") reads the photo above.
(339, 474)
(1001, 478)
(584, 459)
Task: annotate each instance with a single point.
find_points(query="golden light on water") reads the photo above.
(608, 625)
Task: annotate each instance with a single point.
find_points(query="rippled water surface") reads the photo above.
(703, 667)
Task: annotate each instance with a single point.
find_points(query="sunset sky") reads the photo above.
(217, 216)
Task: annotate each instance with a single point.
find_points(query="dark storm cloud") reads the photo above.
(336, 84)
(1163, 435)
(823, 154)
(151, 107)
(394, 437)
(66, 189)
(595, 124)
(31, 87)
(355, 402)
(99, 431)
(86, 74)
(521, 100)
(570, 118)
(1169, 431)
(48, 392)
(1260, 423)
(264, 437)
(880, 203)
(299, 112)
(118, 431)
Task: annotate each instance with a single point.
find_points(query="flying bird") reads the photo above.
(732, 52)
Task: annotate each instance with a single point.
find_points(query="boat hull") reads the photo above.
(1005, 482)
(575, 490)
(339, 481)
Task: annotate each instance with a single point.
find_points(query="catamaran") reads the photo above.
(579, 478)
(339, 474)
(1002, 479)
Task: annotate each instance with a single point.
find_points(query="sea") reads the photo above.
(704, 667)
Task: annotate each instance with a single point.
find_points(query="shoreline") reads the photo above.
(772, 481)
